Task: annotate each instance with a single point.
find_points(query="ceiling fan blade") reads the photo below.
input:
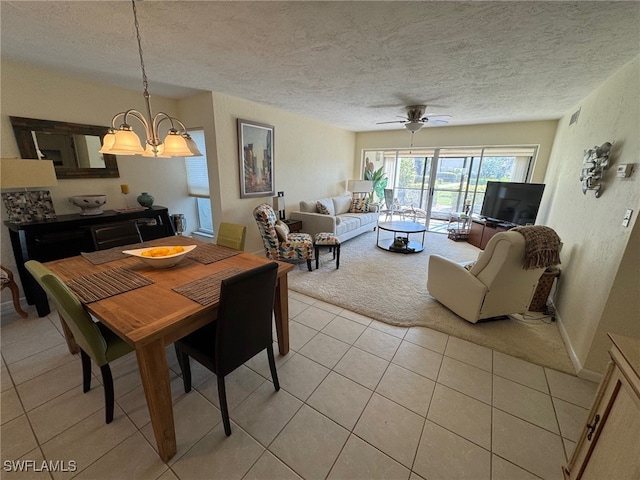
(438, 122)
(395, 121)
(444, 116)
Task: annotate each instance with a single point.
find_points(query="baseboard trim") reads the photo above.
(577, 365)
(591, 375)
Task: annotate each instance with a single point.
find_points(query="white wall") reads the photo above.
(591, 228)
(50, 95)
(311, 160)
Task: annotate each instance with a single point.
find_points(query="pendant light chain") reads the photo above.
(145, 83)
(123, 140)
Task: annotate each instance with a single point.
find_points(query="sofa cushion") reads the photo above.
(347, 224)
(363, 218)
(359, 205)
(325, 206)
(341, 204)
(308, 206)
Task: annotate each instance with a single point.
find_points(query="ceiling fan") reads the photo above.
(416, 120)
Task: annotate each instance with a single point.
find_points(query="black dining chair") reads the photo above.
(115, 235)
(241, 331)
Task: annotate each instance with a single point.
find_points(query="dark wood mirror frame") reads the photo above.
(22, 128)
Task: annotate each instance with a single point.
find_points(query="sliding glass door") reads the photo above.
(428, 185)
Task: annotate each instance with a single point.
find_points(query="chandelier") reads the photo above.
(124, 141)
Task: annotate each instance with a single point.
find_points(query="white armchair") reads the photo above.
(497, 284)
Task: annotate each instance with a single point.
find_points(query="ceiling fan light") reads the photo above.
(413, 126)
(126, 142)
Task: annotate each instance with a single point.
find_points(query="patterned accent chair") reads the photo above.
(297, 246)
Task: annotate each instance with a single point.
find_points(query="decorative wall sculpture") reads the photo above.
(594, 164)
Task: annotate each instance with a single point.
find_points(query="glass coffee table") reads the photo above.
(401, 243)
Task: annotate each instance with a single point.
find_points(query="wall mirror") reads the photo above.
(73, 147)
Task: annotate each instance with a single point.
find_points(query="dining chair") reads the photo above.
(115, 234)
(231, 235)
(241, 331)
(95, 340)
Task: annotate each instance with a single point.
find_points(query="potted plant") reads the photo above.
(379, 179)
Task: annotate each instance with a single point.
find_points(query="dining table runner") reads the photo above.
(206, 290)
(98, 286)
(210, 253)
(111, 254)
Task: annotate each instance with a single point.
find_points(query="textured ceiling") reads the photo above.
(350, 64)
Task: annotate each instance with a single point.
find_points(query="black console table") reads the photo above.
(67, 236)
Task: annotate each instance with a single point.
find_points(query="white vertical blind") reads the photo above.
(197, 172)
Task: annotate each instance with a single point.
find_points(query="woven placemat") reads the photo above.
(206, 290)
(111, 254)
(212, 253)
(98, 286)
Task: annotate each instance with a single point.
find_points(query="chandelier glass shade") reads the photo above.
(122, 140)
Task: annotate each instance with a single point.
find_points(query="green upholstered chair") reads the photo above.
(242, 330)
(95, 340)
(232, 235)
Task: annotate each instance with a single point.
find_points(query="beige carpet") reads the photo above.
(392, 287)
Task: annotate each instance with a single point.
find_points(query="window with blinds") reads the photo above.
(198, 183)
(197, 173)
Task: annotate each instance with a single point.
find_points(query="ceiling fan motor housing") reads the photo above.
(415, 113)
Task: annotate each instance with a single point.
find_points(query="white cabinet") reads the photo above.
(609, 446)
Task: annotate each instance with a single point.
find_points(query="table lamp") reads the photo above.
(278, 205)
(361, 187)
(28, 205)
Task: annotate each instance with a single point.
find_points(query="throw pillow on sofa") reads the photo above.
(325, 206)
(341, 204)
(282, 229)
(359, 205)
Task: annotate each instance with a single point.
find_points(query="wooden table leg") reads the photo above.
(154, 371)
(281, 310)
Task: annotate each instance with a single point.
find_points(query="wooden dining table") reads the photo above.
(153, 316)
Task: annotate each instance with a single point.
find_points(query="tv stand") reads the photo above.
(483, 229)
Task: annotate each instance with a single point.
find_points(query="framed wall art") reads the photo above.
(255, 154)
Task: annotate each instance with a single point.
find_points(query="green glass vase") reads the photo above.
(145, 199)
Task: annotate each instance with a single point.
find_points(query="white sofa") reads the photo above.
(340, 221)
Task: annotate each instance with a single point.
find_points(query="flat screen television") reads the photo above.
(511, 202)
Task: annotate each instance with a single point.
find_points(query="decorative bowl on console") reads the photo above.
(89, 204)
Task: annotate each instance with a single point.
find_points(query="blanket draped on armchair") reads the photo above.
(541, 246)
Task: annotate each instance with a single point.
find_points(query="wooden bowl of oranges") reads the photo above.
(161, 257)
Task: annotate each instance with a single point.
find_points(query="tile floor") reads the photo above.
(360, 400)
